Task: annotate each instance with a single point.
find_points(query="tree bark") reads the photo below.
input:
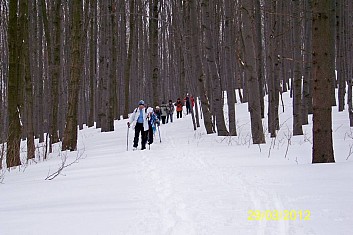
(127, 70)
(70, 133)
(154, 51)
(307, 80)
(323, 38)
(15, 45)
(258, 136)
(259, 51)
(24, 18)
(55, 74)
(297, 79)
(199, 70)
(213, 70)
(3, 71)
(229, 70)
(92, 62)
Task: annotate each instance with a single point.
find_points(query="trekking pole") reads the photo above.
(160, 140)
(127, 139)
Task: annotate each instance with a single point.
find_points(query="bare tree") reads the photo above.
(323, 40)
(259, 51)
(24, 21)
(106, 68)
(199, 69)
(341, 51)
(127, 70)
(159, 50)
(92, 61)
(3, 68)
(273, 37)
(229, 63)
(210, 50)
(247, 11)
(154, 13)
(297, 79)
(70, 133)
(15, 46)
(307, 80)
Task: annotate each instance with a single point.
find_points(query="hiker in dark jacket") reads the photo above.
(158, 112)
(164, 112)
(170, 111)
(187, 104)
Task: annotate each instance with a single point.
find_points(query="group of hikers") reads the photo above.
(145, 120)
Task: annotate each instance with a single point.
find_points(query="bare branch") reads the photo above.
(64, 165)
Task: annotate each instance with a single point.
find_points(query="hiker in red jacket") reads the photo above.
(179, 108)
(192, 100)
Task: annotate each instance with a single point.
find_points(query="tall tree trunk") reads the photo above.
(307, 80)
(70, 133)
(350, 103)
(55, 76)
(229, 71)
(341, 58)
(273, 63)
(3, 73)
(332, 19)
(297, 79)
(112, 74)
(323, 38)
(103, 72)
(348, 59)
(247, 11)
(186, 57)
(3, 67)
(24, 17)
(127, 70)
(41, 50)
(154, 51)
(65, 64)
(15, 45)
(200, 74)
(92, 62)
(259, 51)
(213, 69)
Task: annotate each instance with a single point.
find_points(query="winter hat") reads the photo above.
(149, 110)
(157, 107)
(141, 102)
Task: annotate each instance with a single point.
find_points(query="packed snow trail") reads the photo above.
(190, 183)
(178, 172)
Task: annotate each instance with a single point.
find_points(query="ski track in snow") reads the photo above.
(171, 207)
(202, 219)
(177, 187)
(262, 200)
(259, 198)
(172, 214)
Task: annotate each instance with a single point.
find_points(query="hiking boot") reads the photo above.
(143, 148)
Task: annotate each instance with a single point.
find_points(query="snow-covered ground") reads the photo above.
(189, 183)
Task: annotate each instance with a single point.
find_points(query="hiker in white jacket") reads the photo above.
(139, 122)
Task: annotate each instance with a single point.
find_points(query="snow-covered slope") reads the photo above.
(190, 183)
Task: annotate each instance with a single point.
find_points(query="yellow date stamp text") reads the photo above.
(279, 215)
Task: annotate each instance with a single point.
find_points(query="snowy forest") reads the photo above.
(65, 64)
